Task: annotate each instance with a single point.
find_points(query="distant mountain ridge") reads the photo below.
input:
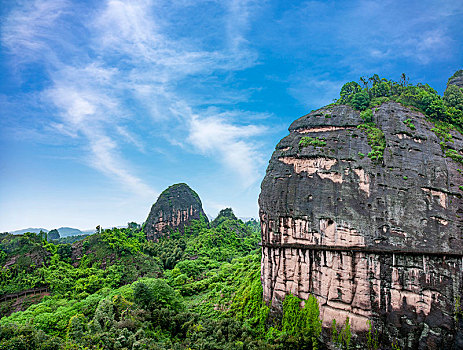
(63, 231)
(69, 231)
(31, 229)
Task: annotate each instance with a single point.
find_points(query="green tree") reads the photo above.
(374, 79)
(404, 80)
(381, 89)
(453, 97)
(348, 90)
(42, 235)
(76, 329)
(155, 293)
(364, 81)
(360, 100)
(133, 226)
(302, 324)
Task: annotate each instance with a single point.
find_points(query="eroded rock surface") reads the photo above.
(456, 80)
(174, 209)
(372, 241)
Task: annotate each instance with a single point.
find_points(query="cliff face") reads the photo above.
(174, 209)
(380, 241)
(457, 79)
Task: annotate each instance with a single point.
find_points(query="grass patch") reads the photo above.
(312, 141)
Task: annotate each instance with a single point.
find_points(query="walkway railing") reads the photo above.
(23, 293)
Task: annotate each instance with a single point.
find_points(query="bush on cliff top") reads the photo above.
(377, 90)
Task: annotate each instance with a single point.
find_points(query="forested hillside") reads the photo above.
(116, 290)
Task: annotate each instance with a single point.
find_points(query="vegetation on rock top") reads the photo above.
(376, 91)
(224, 214)
(445, 112)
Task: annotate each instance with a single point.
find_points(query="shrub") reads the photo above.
(348, 90)
(248, 304)
(360, 101)
(343, 337)
(312, 141)
(367, 116)
(453, 97)
(372, 337)
(302, 324)
(376, 140)
(155, 293)
(76, 328)
(408, 122)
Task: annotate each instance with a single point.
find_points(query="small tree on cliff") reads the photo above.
(302, 324)
(348, 90)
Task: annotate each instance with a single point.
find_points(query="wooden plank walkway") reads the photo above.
(23, 293)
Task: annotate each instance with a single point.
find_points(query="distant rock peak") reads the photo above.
(175, 207)
(225, 214)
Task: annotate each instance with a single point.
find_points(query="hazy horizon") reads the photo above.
(83, 229)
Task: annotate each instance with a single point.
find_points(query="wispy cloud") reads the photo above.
(130, 64)
(105, 159)
(215, 136)
(29, 31)
(418, 33)
(131, 138)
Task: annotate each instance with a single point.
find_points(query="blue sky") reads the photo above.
(103, 104)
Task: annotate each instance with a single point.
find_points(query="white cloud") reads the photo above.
(431, 44)
(215, 136)
(128, 55)
(88, 113)
(408, 36)
(106, 160)
(29, 32)
(131, 138)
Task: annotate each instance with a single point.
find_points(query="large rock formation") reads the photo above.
(380, 241)
(174, 209)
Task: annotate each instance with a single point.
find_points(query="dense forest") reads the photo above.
(116, 290)
(373, 91)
